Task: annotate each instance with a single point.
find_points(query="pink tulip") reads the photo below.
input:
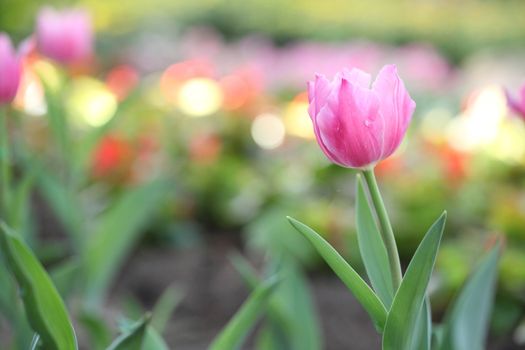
(64, 36)
(518, 105)
(357, 126)
(10, 70)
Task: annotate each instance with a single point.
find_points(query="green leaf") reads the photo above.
(291, 316)
(467, 323)
(363, 293)
(238, 327)
(116, 234)
(11, 308)
(294, 297)
(44, 308)
(271, 337)
(62, 202)
(65, 276)
(372, 248)
(423, 331)
(400, 325)
(58, 122)
(21, 199)
(252, 280)
(134, 338)
(35, 342)
(164, 307)
(97, 331)
(154, 340)
(437, 336)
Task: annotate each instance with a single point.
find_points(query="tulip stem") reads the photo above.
(387, 234)
(4, 163)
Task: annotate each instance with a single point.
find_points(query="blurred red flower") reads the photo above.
(113, 158)
(121, 80)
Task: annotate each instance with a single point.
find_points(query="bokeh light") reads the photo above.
(297, 120)
(200, 97)
(90, 103)
(268, 131)
(30, 97)
(480, 123)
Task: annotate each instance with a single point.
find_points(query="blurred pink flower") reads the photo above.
(423, 67)
(10, 70)
(65, 36)
(357, 126)
(517, 105)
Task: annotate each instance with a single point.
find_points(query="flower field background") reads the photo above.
(157, 172)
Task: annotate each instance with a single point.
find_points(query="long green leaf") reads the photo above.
(134, 338)
(154, 340)
(467, 323)
(164, 307)
(63, 203)
(250, 277)
(238, 327)
(44, 308)
(65, 276)
(290, 312)
(423, 331)
(116, 235)
(295, 297)
(372, 248)
(362, 292)
(400, 325)
(21, 200)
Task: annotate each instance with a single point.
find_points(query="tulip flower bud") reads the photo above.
(517, 105)
(64, 36)
(357, 126)
(10, 70)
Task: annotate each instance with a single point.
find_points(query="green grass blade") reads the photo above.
(164, 307)
(467, 324)
(97, 332)
(134, 338)
(62, 202)
(44, 308)
(275, 314)
(372, 248)
(154, 340)
(291, 317)
(115, 235)
(238, 327)
(362, 292)
(400, 325)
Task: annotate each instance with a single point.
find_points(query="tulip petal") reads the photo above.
(348, 126)
(10, 70)
(64, 36)
(318, 92)
(396, 107)
(326, 127)
(357, 77)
